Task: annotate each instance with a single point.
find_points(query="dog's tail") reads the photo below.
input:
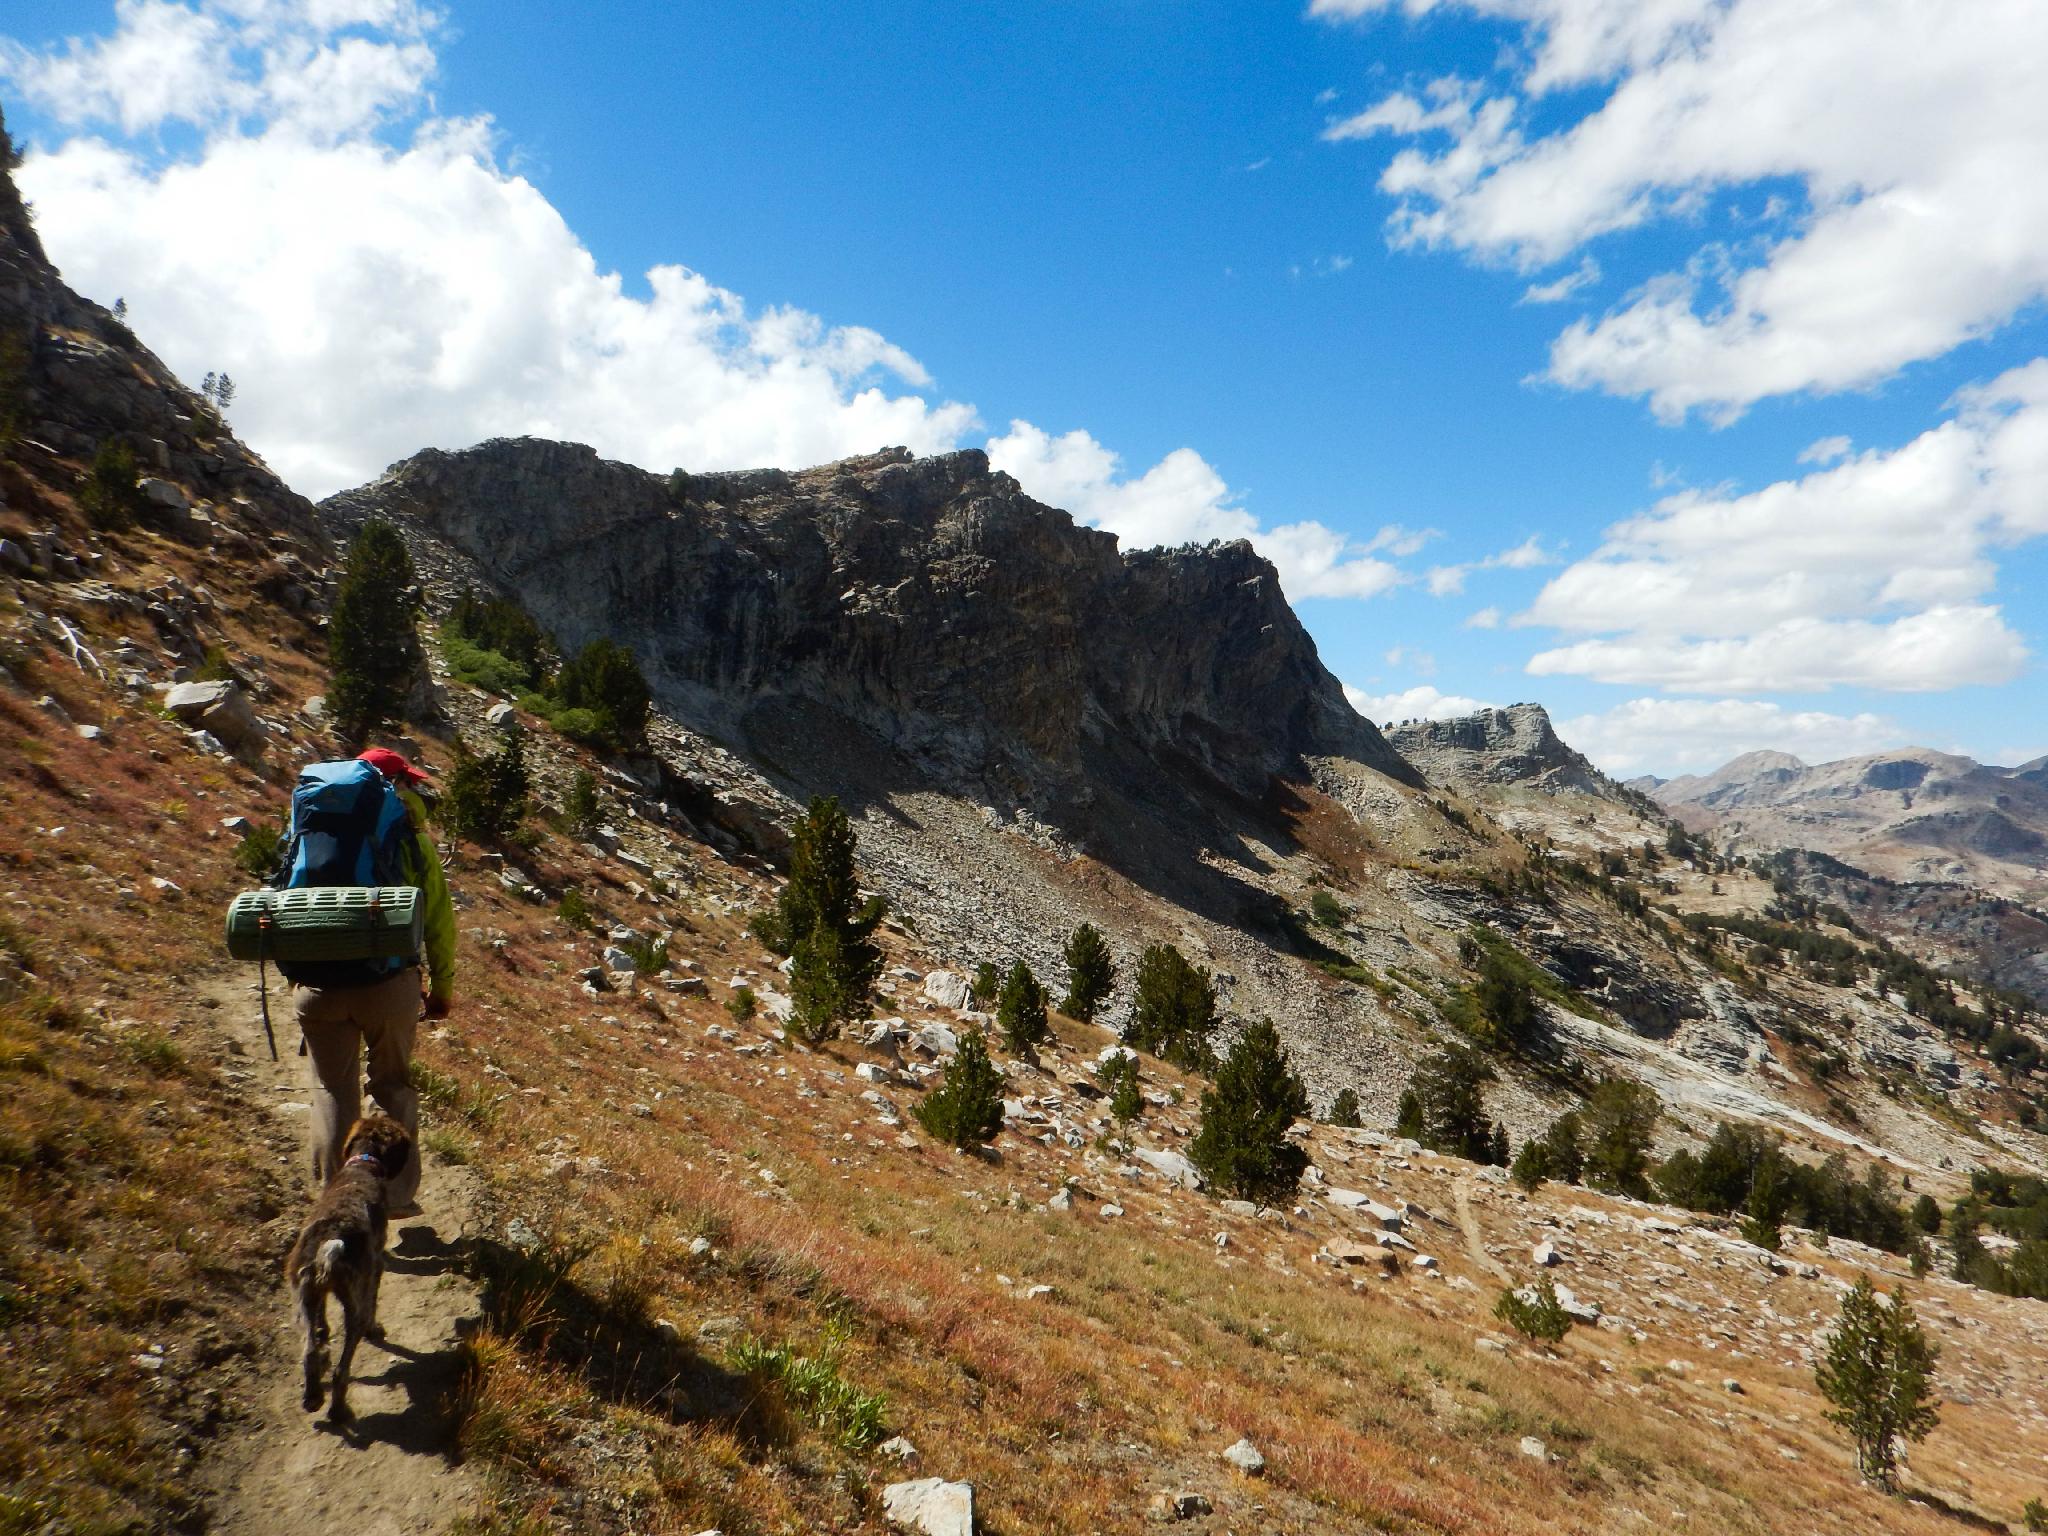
(330, 1254)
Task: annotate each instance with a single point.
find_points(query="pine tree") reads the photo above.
(605, 679)
(987, 984)
(1091, 974)
(1497, 1146)
(1875, 1367)
(966, 1109)
(1344, 1109)
(1449, 1112)
(1617, 1126)
(1020, 1010)
(1764, 1212)
(1120, 1074)
(1535, 1312)
(818, 985)
(579, 806)
(1242, 1145)
(1175, 1011)
(1927, 1214)
(486, 797)
(373, 641)
(1408, 1115)
(1507, 1009)
(112, 495)
(834, 973)
(1531, 1165)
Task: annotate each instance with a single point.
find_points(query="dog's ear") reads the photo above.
(394, 1149)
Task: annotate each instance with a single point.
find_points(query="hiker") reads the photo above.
(383, 1015)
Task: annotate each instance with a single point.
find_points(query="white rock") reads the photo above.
(1545, 1254)
(1246, 1458)
(948, 989)
(1171, 1166)
(931, 1505)
(1534, 1448)
(1112, 1210)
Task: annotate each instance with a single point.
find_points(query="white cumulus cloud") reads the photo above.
(1874, 571)
(1422, 702)
(1914, 132)
(1183, 500)
(376, 282)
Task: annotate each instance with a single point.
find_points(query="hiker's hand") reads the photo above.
(436, 1007)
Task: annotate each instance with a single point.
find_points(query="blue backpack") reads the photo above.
(348, 827)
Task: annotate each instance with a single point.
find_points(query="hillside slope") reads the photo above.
(723, 1280)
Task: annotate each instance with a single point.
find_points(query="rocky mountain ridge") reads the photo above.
(990, 638)
(1910, 815)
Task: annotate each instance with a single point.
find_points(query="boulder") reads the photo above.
(1246, 1458)
(164, 494)
(1545, 1255)
(1171, 1166)
(1383, 1216)
(936, 1040)
(501, 715)
(220, 709)
(931, 1505)
(948, 989)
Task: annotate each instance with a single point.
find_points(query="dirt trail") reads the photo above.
(1474, 1244)
(287, 1472)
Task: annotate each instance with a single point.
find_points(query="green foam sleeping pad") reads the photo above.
(328, 922)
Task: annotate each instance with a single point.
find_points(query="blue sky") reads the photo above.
(1235, 268)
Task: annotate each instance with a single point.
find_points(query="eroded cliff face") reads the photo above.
(928, 599)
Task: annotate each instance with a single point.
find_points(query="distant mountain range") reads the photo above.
(1915, 814)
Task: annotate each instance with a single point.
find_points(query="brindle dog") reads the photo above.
(341, 1251)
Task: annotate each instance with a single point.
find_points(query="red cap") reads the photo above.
(391, 765)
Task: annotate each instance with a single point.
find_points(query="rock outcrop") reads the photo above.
(989, 637)
(1516, 745)
(73, 376)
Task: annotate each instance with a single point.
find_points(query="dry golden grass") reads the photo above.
(1152, 1354)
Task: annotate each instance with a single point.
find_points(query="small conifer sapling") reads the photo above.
(1243, 1146)
(966, 1109)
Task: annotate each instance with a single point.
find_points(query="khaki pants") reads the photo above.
(338, 1023)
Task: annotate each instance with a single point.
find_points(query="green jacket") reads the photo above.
(423, 868)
